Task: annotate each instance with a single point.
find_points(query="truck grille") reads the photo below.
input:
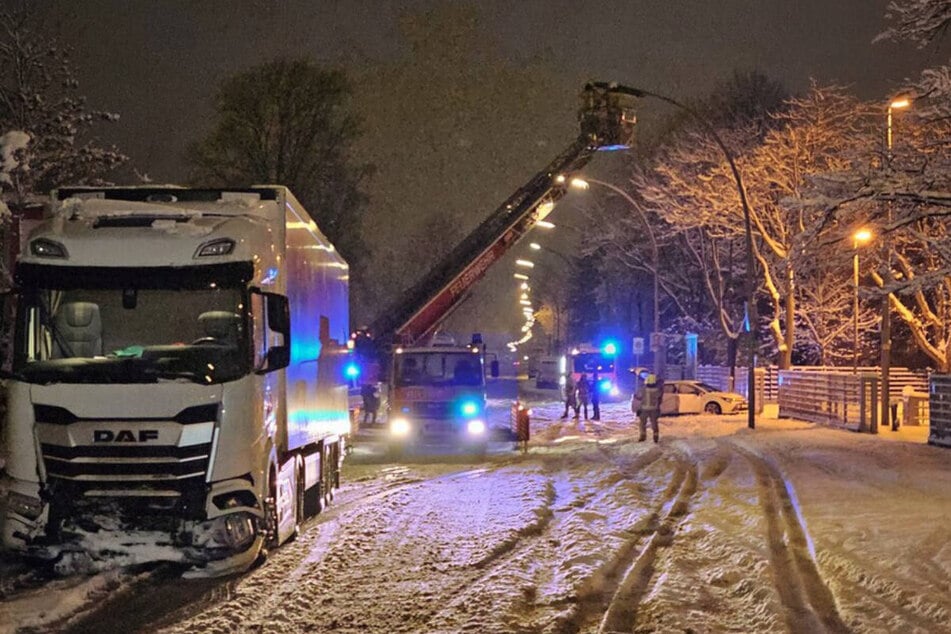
(132, 468)
(433, 409)
(126, 463)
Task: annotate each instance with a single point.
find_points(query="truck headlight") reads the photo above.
(400, 427)
(475, 427)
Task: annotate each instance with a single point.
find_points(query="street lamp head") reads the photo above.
(526, 263)
(580, 183)
(535, 246)
(862, 236)
(520, 276)
(544, 224)
(899, 102)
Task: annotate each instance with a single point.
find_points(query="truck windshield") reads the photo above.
(125, 335)
(438, 368)
(590, 361)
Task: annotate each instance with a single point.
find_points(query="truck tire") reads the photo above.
(298, 500)
(270, 511)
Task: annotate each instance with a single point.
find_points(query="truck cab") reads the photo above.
(438, 392)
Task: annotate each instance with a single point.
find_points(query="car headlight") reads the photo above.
(400, 427)
(475, 427)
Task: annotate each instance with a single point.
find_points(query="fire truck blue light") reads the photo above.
(352, 370)
(469, 408)
(610, 348)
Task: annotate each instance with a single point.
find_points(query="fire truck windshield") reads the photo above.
(593, 361)
(438, 368)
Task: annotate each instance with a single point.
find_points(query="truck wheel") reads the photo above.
(298, 501)
(270, 511)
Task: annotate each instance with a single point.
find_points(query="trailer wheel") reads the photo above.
(326, 474)
(298, 500)
(270, 511)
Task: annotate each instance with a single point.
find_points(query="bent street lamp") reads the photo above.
(747, 221)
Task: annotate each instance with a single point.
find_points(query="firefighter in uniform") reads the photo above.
(646, 404)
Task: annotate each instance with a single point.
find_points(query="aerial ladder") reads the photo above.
(606, 119)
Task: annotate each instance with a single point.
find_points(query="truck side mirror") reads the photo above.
(276, 332)
(494, 369)
(278, 357)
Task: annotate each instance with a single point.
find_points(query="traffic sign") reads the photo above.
(638, 346)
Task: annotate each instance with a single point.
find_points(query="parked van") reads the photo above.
(550, 373)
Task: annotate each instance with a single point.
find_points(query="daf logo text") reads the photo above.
(124, 435)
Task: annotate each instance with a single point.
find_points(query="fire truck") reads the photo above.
(402, 333)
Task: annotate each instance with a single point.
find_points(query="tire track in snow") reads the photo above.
(808, 603)
(622, 610)
(623, 580)
(562, 505)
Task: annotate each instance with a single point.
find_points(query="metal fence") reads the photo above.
(834, 398)
(939, 405)
(898, 378)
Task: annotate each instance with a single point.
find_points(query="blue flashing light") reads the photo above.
(610, 349)
(469, 408)
(352, 370)
(613, 148)
(605, 385)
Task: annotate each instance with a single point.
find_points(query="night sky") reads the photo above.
(462, 101)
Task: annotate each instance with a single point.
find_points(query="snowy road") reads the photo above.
(788, 528)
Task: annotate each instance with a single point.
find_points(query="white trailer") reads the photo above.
(178, 368)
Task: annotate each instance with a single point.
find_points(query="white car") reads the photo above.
(693, 397)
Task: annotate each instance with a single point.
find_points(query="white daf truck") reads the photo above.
(178, 370)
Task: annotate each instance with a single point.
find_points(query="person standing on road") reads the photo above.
(584, 395)
(371, 402)
(571, 398)
(595, 397)
(646, 404)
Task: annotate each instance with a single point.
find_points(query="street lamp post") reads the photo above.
(896, 104)
(658, 345)
(747, 221)
(859, 237)
(535, 246)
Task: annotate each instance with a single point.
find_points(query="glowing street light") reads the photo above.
(747, 222)
(520, 276)
(544, 224)
(886, 330)
(534, 246)
(524, 302)
(526, 263)
(896, 104)
(580, 183)
(862, 236)
(524, 296)
(524, 286)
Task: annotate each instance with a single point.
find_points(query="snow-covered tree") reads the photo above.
(924, 23)
(823, 131)
(45, 124)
